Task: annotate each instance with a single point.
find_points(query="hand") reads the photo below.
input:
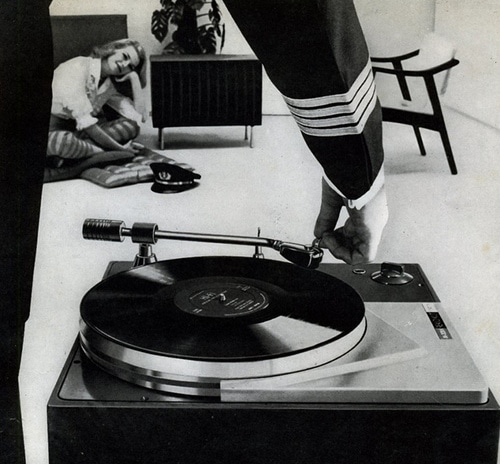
(131, 76)
(356, 242)
(134, 147)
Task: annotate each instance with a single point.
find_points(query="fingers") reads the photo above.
(335, 243)
(137, 146)
(342, 248)
(133, 147)
(331, 205)
(325, 224)
(357, 241)
(127, 77)
(340, 242)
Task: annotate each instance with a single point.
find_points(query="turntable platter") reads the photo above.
(184, 325)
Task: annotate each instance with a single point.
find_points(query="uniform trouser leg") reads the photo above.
(315, 54)
(25, 94)
(11, 430)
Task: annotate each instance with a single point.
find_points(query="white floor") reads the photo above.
(448, 224)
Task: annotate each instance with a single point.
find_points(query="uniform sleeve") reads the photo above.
(70, 84)
(327, 83)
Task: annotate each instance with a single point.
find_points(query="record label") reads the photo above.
(216, 297)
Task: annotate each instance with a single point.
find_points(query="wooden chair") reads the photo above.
(422, 76)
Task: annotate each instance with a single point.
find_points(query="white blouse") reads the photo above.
(76, 95)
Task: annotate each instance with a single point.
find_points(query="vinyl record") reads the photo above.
(184, 325)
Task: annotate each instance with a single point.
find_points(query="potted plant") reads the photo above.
(198, 23)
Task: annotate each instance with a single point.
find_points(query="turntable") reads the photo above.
(252, 360)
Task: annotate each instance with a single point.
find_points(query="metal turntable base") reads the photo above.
(421, 407)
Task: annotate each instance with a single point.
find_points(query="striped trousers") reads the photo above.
(315, 54)
(69, 144)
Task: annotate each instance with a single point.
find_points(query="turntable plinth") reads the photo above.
(96, 418)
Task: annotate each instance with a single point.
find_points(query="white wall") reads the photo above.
(394, 27)
(381, 21)
(474, 27)
(391, 27)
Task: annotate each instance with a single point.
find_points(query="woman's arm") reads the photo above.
(138, 96)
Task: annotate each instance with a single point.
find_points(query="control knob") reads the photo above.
(392, 274)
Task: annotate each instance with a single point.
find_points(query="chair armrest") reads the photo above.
(417, 72)
(392, 59)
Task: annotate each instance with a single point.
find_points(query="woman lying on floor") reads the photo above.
(81, 88)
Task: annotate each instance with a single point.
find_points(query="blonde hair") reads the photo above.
(103, 51)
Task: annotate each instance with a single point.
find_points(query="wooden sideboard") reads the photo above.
(205, 90)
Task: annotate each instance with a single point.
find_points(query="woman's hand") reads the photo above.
(131, 76)
(134, 147)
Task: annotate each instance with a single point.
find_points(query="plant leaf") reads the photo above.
(177, 12)
(166, 3)
(173, 48)
(223, 37)
(159, 24)
(206, 39)
(215, 14)
(196, 4)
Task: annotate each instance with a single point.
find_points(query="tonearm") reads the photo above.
(147, 234)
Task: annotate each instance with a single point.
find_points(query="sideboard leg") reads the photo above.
(160, 138)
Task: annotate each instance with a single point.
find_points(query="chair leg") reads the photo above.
(440, 124)
(447, 149)
(419, 140)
